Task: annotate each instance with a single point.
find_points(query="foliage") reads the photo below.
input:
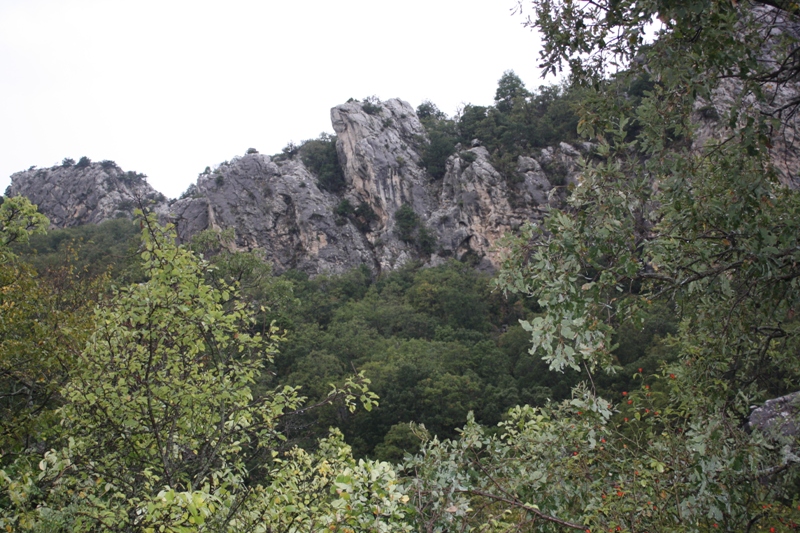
(442, 138)
(703, 225)
(407, 222)
(268, 297)
(344, 209)
(94, 250)
(162, 431)
(18, 221)
(509, 89)
(518, 123)
(410, 229)
(83, 162)
(436, 343)
(131, 178)
(320, 157)
(44, 322)
(372, 105)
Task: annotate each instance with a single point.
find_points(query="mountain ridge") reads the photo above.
(389, 210)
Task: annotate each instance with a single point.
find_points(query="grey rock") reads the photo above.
(778, 417)
(275, 204)
(73, 195)
(276, 207)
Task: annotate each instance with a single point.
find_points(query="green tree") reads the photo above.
(509, 89)
(703, 222)
(321, 158)
(162, 432)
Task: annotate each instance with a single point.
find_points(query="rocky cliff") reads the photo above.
(388, 212)
(85, 193)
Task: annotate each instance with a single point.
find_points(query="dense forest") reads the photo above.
(436, 343)
(601, 380)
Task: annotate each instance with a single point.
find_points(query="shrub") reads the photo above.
(426, 241)
(365, 215)
(321, 158)
(428, 109)
(442, 137)
(372, 105)
(131, 177)
(83, 162)
(344, 209)
(407, 222)
(468, 157)
(107, 164)
(67, 162)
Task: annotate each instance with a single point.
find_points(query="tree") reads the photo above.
(695, 214)
(19, 219)
(321, 157)
(162, 431)
(509, 88)
(41, 330)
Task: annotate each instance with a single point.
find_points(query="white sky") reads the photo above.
(168, 87)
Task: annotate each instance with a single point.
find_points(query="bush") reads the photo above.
(426, 241)
(406, 223)
(320, 157)
(344, 209)
(131, 177)
(67, 162)
(372, 105)
(83, 162)
(442, 135)
(468, 157)
(428, 110)
(365, 215)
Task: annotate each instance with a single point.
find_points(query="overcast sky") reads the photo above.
(168, 87)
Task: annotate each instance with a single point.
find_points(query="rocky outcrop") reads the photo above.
(778, 417)
(390, 210)
(478, 206)
(466, 212)
(275, 206)
(86, 193)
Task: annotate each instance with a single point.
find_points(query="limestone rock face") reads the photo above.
(379, 148)
(778, 417)
(477, 206)
(466, 212)
(85, 194)
(276, 207)
(389, 212)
